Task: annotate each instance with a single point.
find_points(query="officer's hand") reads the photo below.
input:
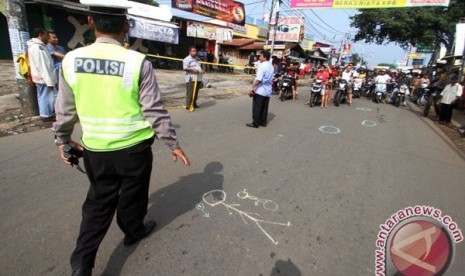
(62, 152)
(179, 153)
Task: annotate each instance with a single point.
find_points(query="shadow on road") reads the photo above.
(168, 203)
(285, 268)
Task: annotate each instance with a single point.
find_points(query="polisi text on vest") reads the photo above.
(99, 66)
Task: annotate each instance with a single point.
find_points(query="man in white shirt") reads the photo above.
(261, 91)
(381, 81)
(42, 74)
(349, 74)
(450, 95)
(193, 77)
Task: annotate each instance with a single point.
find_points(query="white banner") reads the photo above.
(459, 39)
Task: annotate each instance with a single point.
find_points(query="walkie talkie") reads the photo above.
(73, 155)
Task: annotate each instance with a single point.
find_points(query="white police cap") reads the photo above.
(113, 4)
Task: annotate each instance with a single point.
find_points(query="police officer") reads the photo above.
(114, 94)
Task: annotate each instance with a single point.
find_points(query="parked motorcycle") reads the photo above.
(341, 92)
(316, 92)
(286, 88)
(224, 68)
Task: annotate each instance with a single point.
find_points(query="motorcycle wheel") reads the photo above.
(422, 101)
(398, 99)
(337, 98)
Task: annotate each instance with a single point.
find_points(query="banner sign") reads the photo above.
(224, 10)
(210, 32)
(150, 30)
(289, 29)
(460, 39)
(364, 4)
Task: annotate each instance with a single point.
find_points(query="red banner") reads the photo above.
(224, 10)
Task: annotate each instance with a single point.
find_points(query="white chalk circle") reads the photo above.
(329, 130)
(214, 197)
(363, 108)
(368, 123)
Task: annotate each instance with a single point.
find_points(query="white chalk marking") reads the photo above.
(363, 108)
(201, 208)
(267, 204)
(369, 123)
(218, 197)
(329, 129)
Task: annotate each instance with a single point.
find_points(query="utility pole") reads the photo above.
(269, 21)
(15, 12)
(274, 27)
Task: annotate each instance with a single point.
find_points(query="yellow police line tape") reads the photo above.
(209, 63)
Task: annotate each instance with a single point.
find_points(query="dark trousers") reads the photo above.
(260, 110)
(445, 114)
(119, 181)
(190, 92)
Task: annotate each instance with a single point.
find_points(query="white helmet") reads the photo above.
(114, 4)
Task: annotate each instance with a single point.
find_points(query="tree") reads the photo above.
(417, 26)
(357, 58)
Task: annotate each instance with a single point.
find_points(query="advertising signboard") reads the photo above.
(224, 10)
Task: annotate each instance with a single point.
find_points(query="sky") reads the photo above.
(332, 24)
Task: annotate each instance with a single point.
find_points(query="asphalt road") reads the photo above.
(321, 197)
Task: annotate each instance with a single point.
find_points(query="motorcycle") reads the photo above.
(286, 88)
(225, 68)
(316, 92)
(357, 88)
(341, 92)
(400, 96)
(422, 94)
(380, 91)
(277, 83)
(368, 88)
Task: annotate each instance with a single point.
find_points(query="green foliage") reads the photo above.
(409, 26)
(386, 65)
(357, 58)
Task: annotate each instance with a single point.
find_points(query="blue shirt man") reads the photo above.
(264, 76)
(56, 51)
(261, 91)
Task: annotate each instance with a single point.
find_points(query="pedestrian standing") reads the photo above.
(114, 94)
(42, 74)
(193, 78)
(56, 51)
(450, 96)
(261, 91)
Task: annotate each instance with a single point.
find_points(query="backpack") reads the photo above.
(24, 68)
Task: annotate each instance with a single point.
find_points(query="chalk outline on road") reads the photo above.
(201, 208)
(335, 130)
(242, 214)
(363, 109)
(368, 123)
(245, 195)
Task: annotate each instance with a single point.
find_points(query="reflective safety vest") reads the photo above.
(104, 78)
